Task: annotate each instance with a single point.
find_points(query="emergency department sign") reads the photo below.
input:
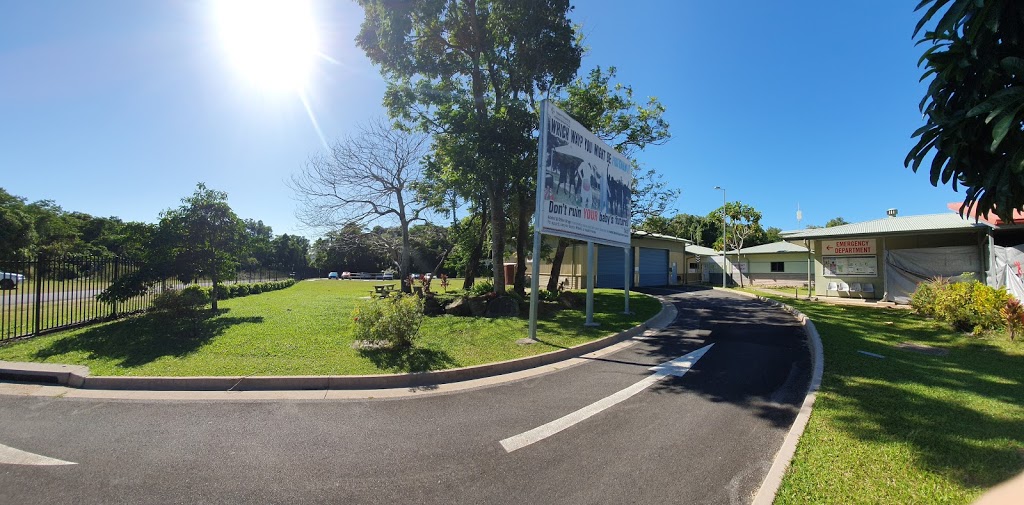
(583, 185)
(848, 247)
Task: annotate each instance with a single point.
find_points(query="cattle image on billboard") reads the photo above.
(585, 185)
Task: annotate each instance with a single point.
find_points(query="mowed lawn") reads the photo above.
(910, 427)
(307, 330)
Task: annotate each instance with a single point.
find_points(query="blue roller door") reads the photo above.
(610, 268)
(653, 267)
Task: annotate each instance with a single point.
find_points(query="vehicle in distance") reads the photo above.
(332, 275)
(388, 276)
(9, 280)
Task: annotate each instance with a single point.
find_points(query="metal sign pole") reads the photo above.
(535, 271)
(590, 285)
(625, 264)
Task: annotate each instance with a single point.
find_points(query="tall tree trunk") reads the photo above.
(524, 238)
(556, 264)
(497, 199)
(472, 269)
(404, 268)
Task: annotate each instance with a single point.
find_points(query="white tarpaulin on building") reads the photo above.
(1007, 269)
(905, 268)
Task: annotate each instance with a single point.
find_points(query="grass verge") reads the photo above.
(306, 330)
(909, 427)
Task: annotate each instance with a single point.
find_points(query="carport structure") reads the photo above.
(657, 260)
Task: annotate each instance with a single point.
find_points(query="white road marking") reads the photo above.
(12, 456)
(677, 367)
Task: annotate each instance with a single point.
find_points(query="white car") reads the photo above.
(10, 280)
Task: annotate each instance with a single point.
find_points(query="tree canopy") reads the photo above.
(974, 106)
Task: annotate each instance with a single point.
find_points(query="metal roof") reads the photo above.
(773, 248)
(647, 234)
(700, 250)
(891, 226)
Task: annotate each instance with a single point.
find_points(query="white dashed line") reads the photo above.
(677, 367)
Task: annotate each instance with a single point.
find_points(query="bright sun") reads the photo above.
(273, 43)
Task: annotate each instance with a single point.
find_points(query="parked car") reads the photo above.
(332, 275)
(346, 275)
(10, 280)
(388, 276)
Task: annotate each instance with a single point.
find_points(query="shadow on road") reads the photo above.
(140, 340)
(760, 359)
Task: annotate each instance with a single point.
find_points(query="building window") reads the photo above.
(778, 266)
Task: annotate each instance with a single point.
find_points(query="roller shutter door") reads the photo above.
(610, 269)
(653, 267)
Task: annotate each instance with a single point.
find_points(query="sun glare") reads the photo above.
(272, 43)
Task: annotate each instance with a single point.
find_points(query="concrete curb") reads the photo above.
(80, 378)
(773, 480)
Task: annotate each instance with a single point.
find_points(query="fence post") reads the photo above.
(113, 305)
(39, 295)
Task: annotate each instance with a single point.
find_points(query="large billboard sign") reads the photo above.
(583, 185)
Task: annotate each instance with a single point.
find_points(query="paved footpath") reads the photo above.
(609, 430)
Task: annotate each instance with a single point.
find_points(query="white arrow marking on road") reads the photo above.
(677, 367)
(12, 456)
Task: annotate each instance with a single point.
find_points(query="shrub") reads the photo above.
(964, 305)
(547, 296)
(1013, 316)
(481, 287)
(223, 292)
(255, 288)
(243, 290)
(923, 299)
(394, 320)
(181, 302)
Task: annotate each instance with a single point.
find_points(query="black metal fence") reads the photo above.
(45, 295)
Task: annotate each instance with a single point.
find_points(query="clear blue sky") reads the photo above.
(118, 108)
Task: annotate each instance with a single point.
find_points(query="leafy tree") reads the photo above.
(210, 237)
(17, 231)
(743, 221)
(200, 239)
(836, 221)
(365, 178)
(290, 253)
(466, 71)
(974, 106)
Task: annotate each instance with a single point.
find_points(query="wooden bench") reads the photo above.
(382, 290)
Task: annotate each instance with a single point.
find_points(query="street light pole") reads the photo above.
(725, 233)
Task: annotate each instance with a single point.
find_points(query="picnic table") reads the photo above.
(382, 290)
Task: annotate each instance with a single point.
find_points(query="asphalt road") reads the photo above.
(706, 437)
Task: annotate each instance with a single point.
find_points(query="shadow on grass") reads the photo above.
(141, 340)
(960, 412)
(408, 359)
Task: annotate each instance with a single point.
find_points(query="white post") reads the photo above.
(625, 277)
(535, 270)
(590, 285)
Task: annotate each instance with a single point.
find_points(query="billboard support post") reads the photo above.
(535, 270)
(626, 279)
(590, 286)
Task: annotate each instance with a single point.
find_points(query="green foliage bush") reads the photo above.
(966, 306)
(481, 287)
(393, 320)
(181, 302)
(223, 292)
(547, 296)
(923, 298)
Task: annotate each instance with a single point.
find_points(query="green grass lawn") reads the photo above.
(909, 428)
(307, 330)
